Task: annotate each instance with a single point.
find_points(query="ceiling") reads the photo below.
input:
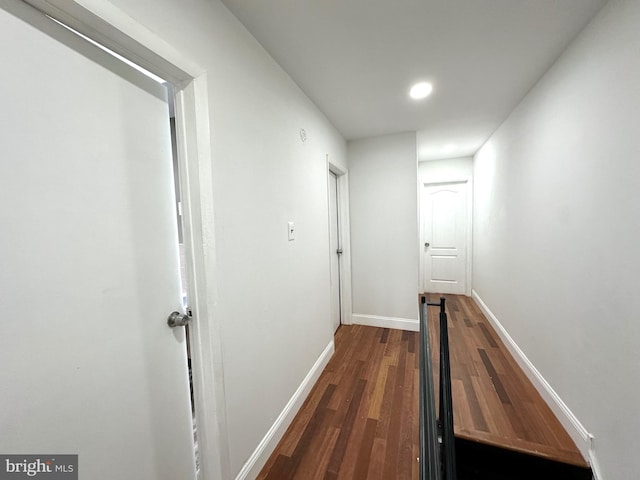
(357, 59)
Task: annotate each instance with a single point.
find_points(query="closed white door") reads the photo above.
(444, 237)
(89, 255)
(334, 250)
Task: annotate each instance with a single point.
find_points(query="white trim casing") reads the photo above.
(106, 24)
(595, 466)
(344, 231)
(206, 347)
(410, 324)
(578, 433)
(267, 445)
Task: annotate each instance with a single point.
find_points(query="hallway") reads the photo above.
(361, 419)
(535, 107)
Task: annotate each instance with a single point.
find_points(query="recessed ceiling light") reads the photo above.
(420, 90)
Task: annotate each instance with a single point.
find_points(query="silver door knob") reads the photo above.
(177, 319)
(427, 244)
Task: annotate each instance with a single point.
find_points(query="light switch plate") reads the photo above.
(292, 235)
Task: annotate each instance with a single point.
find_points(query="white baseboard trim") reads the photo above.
(582, 438)
(595, 466)
(386, 322)
(265, 448)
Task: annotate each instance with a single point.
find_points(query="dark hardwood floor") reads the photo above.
(360, 420)
(493, 401)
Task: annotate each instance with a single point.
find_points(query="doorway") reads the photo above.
(194, 153)
(177, 198)
(184, 281)
(445, 237)
(339, 245)
(335, 250)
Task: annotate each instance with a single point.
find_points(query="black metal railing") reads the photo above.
(437, 442)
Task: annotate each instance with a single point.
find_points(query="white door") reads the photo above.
(89, 255)
(444, 237)
(334, 249)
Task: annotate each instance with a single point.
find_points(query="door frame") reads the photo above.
(108, 25)
(468, 183)
(334, 223)
(344, 240)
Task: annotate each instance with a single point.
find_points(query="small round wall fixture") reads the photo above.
(303, 135)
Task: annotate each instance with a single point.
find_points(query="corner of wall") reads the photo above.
(410, 324)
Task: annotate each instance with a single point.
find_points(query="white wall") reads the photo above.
(384, 230)
(273, 295)
(434, 171)
(557, 229)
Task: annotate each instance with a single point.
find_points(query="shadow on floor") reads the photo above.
(476, 461)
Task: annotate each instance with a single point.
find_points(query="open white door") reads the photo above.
(89, 255)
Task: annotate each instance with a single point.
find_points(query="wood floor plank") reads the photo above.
(409, 418)
(494, 377)
(393, 436)
(485, 331)
(342, 398)
(279, 469)
(315, 425)
(464, 411)
(361, 467)
(373, 393)
(299, 424)
(384, 336)
(379, 389)
(376, 468)
(350, 448)
(313, 467)
(471, 399)
(392, 347)
(386, 409)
